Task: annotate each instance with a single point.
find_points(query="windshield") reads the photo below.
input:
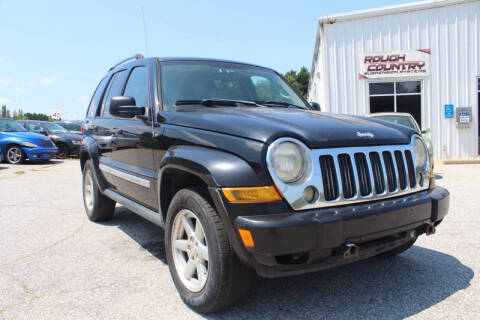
(11, 126)
(71, 126)
(403, 120)
(199, 80)
(53, 127)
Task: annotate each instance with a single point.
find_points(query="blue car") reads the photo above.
(17, 144)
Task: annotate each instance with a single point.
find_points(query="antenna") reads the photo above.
(145, 31)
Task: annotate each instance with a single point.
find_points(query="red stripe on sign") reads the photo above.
(425, 50)
(361, 77)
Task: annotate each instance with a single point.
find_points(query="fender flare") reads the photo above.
(216, 168)
(89, 150)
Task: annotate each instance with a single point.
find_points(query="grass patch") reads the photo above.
(19, 172)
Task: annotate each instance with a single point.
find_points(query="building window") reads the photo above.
(398, 96)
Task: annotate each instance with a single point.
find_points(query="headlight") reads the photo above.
(290, 161)
(421, 153)
(29, 145)
(76, 142)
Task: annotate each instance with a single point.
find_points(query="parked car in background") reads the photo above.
(406, 119)
(17, 144)
(71, 126)
(67, 143)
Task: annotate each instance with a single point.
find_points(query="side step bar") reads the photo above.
(150, 215)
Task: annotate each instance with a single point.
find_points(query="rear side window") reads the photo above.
(114, 89)
(137, 86)
(97, 97)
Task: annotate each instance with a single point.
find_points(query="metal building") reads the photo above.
(422, 58)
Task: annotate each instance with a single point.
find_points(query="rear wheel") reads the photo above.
(15, 155)
(97, 206)
(204, 268)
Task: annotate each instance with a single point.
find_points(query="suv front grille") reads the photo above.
(47, 143)
(368, 174)
(348, 175)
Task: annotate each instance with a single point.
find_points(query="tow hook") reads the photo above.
(351, 250)
(430, 230)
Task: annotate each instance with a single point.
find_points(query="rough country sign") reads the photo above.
(395, 64)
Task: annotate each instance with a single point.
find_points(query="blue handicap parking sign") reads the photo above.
(449, 111)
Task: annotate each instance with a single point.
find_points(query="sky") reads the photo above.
(54, 53)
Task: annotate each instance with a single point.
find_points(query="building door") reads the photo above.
(397, 96)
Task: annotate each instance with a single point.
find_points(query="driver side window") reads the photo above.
(137, 86)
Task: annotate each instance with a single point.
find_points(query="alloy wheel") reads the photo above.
(14, 155)
(88, 190)
(190, 250)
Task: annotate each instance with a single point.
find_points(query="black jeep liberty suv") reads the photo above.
(247, 177)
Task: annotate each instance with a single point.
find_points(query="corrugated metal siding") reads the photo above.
(452, 33)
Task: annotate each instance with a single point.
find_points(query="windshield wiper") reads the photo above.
(278, 103)
(217, 102)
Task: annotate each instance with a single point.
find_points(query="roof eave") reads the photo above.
(394, 9)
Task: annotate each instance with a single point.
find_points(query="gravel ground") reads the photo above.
(55, 264)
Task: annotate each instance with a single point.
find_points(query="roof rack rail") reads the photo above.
(135, 57)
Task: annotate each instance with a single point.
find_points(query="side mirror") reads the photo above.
(45, 133)
(125, 107)
(424, 131)
(315, 106)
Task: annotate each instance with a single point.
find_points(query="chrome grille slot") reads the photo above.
(346, 172)
(402, 173)
(329, 177)
(363, 174)
(411, 170)
(379, 179)
(390, 170)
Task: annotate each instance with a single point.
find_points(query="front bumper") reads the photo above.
(300, 242)
(40, 154)
(74, 149)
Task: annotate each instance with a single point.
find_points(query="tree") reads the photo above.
(36, 116)
(299, 80)
(4, 111)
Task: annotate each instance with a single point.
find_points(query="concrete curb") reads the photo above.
(458, 161)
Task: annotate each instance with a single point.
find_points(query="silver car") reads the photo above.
(405, 119)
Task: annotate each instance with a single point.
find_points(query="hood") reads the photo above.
(68, 136)
(316, 129)
(25, 136)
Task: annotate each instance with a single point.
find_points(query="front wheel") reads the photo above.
(62, 151)
(15, 155)
(204, 268)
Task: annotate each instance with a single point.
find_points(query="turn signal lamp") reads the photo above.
(247, 238)
(251, 194)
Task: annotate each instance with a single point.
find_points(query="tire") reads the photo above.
(97, 206)
(15, 155)
(227, 280)
(63, 151)
(395, 251)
